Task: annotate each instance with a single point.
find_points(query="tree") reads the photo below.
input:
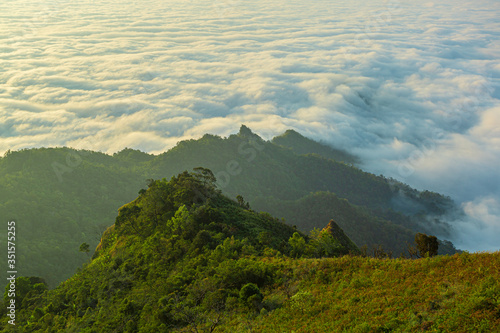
(25, 288)
(242, 202)
(323, 244)
(84, 247)
(426, 245)
(206, 176)
(265, 238)
(127, 218)
(298, 245)
(251, 295)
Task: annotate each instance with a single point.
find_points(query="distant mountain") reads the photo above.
(271, 176)
(301, 145)
(62, 197)
(177, 239)
(363, 226)
(182, 257)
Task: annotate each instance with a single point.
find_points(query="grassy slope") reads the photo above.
(457, 293)
(175, 261)
(62, 197)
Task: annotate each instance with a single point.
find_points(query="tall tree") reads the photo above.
(426, 245)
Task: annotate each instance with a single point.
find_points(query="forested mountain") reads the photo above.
(302, 146)
(182, 257)
(61, 197)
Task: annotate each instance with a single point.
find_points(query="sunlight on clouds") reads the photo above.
(488, 129)
(480, 232)
(395, 82)
(486, 210)
(466, 167)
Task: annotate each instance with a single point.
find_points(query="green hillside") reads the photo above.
(363, 226)
(61, 197)
(303, 146)
(182, 257)
(181, 244)
(457, 293)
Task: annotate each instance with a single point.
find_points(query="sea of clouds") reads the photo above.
(411, 87)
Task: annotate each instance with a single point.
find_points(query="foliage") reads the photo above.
(457, 293)
(426, 245)
(361, 225)
(297, 244)
(73, 195)
(303, 146)
(26, 288)
(180, 240)
(190, 259)
(84, 247)
(251, 296)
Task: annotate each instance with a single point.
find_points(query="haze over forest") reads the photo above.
(410, 88)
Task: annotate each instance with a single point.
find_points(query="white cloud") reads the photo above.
(479, 232)
(396, 82)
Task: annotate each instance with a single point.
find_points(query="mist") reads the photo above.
(410, 88)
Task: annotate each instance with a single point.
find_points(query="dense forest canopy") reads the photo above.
(62, 197)
(182, 257)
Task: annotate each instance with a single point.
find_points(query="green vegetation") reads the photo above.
(182, 257)
(458, 293)
(61, 197)
(363, 226)
(426, 245)
(303, 146)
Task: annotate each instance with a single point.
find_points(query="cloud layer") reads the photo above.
(411, 88)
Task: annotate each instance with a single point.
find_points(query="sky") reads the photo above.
(412, 88)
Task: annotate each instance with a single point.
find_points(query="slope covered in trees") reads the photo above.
(183, 257)
(61, 197)
(363, 226)
(181, 254)
(303, 146)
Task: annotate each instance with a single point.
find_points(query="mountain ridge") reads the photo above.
(73, 195)
(183, 257)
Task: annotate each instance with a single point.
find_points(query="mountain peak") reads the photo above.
(336, 232)
(291, 132)
(333, 228)
(302, 145)
(246, 132)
